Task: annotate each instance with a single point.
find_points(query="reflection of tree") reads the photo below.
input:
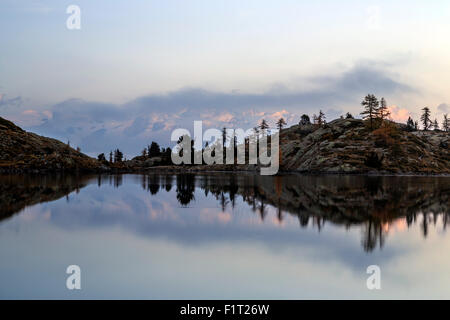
(185, 189)
(117, 180)
(168, 181)
(374, 203)
(372, 234)
(20, 191)
(223, 201)
(153, 184)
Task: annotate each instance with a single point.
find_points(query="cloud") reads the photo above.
(399, 114)
(365, 77)
(99, 127)
(13, 102)
(443, 108)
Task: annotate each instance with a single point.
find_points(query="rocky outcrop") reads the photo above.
(22, 151)
(349, 146)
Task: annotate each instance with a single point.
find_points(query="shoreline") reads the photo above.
(193, 170)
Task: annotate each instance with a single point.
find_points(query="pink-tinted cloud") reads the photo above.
(399, 114)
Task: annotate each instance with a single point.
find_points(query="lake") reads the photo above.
(224, 236)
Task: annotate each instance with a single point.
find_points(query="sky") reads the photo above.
(136, 70)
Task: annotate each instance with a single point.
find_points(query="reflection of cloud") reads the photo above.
(398, 225)
(159, 217)
(210, 215)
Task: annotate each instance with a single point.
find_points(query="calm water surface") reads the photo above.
(224, 236)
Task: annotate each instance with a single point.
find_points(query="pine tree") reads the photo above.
(446, 123)
(224, 140)
(263, 126)
(435, 125)
(111, 157)
(410, 124)
(383, 111)
(425, 118)
(315, 119)
(224, 137)
(101, 157)
(118, 156)
(154, 150)
(370, 104)
(304, 120)
(281, 123)
(321, 118)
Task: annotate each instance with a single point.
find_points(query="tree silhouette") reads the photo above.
(224, 140)
(263, 126)
(435, 125)
(185, 189)
(281, 123)
(305, 120)
(321, 118)
(446, 123)
(118, 156)
(153, 184)
(167, 156)
(370, 104)
(383, 111)
(180, 141)
(154, 150)
(425, 118)
(348, 116)
(410, 124)
(101, 157)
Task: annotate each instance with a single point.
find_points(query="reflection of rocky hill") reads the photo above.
(354, 199)
(20, 191)
(340, 199)
(372, 202)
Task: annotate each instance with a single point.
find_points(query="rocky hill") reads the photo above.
(23, 151)
(349, 146)
(341, 146)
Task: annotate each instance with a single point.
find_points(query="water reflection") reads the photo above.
(373, 204)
